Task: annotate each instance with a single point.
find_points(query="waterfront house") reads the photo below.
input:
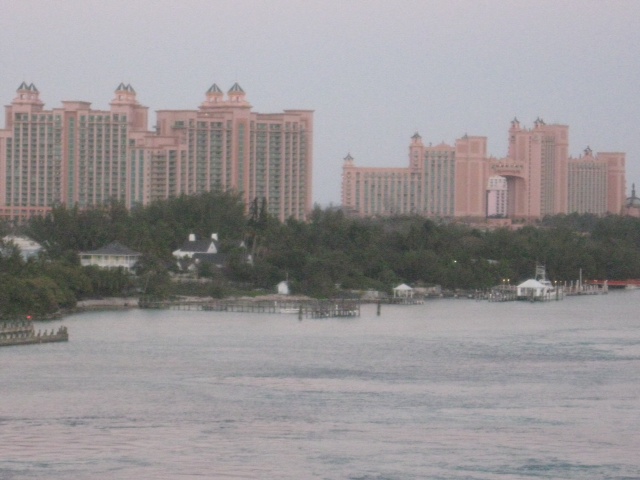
(114, 255)
(194, 252)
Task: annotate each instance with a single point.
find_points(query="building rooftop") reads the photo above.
(114, 248)
(196, 246)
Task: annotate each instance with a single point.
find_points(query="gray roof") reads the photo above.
(217, 259)
(236, 88)
(214, 89)
(214, 258)
(114, 248)
(125, 88)
(31, 87)
(196, 246)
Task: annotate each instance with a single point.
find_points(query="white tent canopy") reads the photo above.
(403, 290)
(532, 288)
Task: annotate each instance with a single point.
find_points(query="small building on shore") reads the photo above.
(403, 291)
(114, 255)
(194, 252)
(532, 289)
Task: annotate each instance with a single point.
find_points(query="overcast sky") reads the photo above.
(374, 71)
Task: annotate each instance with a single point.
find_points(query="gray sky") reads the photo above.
(374, 71)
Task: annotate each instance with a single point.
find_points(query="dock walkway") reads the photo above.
(22, 332)
(302, 308)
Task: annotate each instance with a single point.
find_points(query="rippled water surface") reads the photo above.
(453, 389)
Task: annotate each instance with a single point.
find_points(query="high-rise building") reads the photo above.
(70, 155)
(425, 188)
(588, 187)
(536, 169)
(537, 178)
(225, 146)
(75, 155)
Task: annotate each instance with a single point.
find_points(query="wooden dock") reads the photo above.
(301, 308)
(503, 293)
(22, 332)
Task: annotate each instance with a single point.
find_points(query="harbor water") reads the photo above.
(451, 389)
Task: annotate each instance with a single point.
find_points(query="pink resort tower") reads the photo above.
(536, 178)
(75, 155)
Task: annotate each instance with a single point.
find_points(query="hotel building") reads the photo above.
(536, 178)
(75, 155)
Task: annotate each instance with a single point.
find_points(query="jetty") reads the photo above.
(302, 308)
(503, 293)
(22, 332)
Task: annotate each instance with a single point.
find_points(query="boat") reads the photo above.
(22, 332)
(539, 288)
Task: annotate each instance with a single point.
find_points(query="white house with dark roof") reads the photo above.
(114, 255)
(193, 252)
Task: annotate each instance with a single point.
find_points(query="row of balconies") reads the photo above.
(107, 139)
(103, 118)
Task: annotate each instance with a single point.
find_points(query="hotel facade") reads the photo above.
(536, 178)
(75, 155)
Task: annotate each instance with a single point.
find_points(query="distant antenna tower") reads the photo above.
(541, 272)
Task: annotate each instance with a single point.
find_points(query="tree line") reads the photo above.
(326, 255)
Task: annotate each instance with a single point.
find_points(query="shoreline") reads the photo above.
(110, 303)
(128, 303)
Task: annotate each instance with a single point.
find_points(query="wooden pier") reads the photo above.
(22, 332)
(301, 308)
(503, 293)
(401, 300)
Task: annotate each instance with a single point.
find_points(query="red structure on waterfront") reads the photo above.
(630, 283)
